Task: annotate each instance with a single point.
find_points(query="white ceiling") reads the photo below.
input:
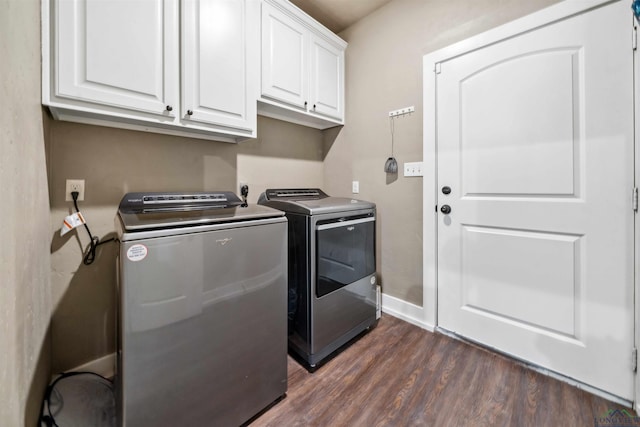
(339, 14)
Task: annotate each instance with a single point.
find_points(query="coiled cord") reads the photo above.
(90, 256)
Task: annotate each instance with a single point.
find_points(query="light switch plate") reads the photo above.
(355, 187)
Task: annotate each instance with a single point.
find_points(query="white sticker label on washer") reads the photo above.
(137, 253)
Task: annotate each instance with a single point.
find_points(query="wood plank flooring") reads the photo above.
(401, 375)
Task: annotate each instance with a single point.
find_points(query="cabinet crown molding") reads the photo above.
(303, 18)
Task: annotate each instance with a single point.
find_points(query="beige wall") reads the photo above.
(113, 162)
(384, 73)
(283, 155)
(25, 297)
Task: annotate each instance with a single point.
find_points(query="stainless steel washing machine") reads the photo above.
(202, 309)
(332, 292)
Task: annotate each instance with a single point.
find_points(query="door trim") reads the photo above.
(636, 243)
(431, 65)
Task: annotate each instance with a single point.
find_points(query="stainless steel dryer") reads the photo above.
(202, 319)
(332, 290)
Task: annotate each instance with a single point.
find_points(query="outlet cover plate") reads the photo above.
(74, 185)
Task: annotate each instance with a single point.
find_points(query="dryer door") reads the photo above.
(345, 252)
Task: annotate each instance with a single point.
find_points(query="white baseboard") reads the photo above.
(405, 311)
(105, 366)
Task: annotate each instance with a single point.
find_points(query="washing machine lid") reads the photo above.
(310, 201)
(156, 210)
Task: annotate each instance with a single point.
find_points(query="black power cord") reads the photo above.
(47, 417)
(90, 256)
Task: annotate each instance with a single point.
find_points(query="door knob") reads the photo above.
(445, 209)
(446, 190)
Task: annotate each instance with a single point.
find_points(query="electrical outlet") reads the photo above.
(413, 169)
(74, 185)
(355, 187)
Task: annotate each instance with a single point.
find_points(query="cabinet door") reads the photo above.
(326, 78)
(219, 47)
(117, 53)
(284, 57)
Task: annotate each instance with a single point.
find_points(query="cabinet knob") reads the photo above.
(169, 108)
(189, 113)
(305, 104)
(314, 106)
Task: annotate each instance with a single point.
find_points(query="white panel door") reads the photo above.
(217, 63)
(535, 142)
(118, 53)
(284, 58)
(326, 78)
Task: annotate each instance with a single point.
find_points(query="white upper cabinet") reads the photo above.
(120, 54)
(302, 68)
(327, 78)
(117, 63)
(284, 57)
(220, 61)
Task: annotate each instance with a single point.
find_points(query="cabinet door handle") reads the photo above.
(189, 113)
(169, 108)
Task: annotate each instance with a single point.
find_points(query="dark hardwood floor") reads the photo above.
(401, 375)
